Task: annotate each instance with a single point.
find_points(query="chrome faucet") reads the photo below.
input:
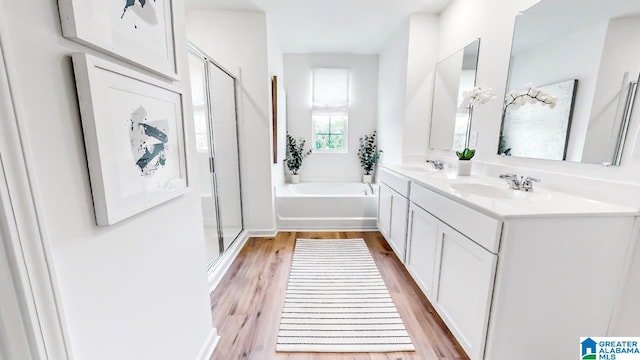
(527, 183)
(371, 187)
(519, 183)
(512, 180)
(437, 164)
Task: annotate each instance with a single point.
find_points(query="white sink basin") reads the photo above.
(488, 191)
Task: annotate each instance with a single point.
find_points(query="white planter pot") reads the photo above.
(367, 179)
(464, 167)
(295, 179)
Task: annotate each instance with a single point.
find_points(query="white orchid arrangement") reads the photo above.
(530, 95)
(477, 96)
(472, 98)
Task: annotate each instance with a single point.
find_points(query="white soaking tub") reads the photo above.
(327, 206)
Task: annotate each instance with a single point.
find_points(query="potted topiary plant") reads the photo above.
(369, 155)
(295, 155)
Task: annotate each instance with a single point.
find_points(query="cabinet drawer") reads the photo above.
(483, 229)
(397, 182)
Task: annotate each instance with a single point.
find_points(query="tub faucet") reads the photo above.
(437, 164)
(371, 187)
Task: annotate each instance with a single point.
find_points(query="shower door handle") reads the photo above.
(212, 167)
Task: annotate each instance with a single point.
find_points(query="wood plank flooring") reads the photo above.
(246, 306)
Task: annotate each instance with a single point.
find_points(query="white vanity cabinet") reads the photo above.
(454, 270)
(513, 275)
(393, 206)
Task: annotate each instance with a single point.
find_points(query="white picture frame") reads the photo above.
(138, 31)
(133, 127)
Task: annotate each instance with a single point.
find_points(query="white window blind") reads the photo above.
(330, 110)
(330, 89)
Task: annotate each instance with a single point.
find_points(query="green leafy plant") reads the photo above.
(295, 153)
(466, 154)
(368, 153)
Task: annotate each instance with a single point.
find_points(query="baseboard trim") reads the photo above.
(263, 233)
(224, 263)
(329, 229)
(209, 346)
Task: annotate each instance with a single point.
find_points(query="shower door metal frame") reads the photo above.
(207, 60)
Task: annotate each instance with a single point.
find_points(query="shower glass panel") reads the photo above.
(225, 140)
(197, 67)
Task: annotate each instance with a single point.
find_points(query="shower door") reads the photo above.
(216, 136)
(209, 203)
(226, 160)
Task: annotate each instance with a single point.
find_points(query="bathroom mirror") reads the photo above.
(572, 81)
(455, 74)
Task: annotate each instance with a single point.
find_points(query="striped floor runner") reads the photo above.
(336, 301)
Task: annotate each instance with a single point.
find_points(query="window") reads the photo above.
(330, 110)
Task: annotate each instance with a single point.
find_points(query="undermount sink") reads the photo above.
(489, 191)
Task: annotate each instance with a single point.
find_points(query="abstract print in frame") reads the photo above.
(134, 137)
(137, 31)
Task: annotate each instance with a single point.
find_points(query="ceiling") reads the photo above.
(330, 26)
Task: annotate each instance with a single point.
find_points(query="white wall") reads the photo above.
(276, 67)
(392, 79)
(492, 21)
(134, 290)
(406, 73)
(14, 337)
(362, 110)
(421, 65)
(238, 41)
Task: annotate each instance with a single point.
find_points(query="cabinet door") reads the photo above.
(422, 239)
(384, 210)
(398, 232)
(465, 287)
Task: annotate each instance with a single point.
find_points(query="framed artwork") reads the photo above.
(274, 113)
(541, 132)
(134, 137)
(137, 31)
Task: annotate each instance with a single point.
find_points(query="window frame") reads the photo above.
(345, 141)
(341, 110)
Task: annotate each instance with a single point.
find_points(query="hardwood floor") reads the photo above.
(246, 306)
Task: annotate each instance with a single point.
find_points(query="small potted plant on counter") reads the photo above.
(295, 155)
(470, 99)
(464, 161)
(369, 155)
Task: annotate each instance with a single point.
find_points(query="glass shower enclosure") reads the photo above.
(218, 166)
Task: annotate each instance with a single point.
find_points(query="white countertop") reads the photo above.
(493, 197)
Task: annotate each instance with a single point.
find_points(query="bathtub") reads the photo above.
(326, 206)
